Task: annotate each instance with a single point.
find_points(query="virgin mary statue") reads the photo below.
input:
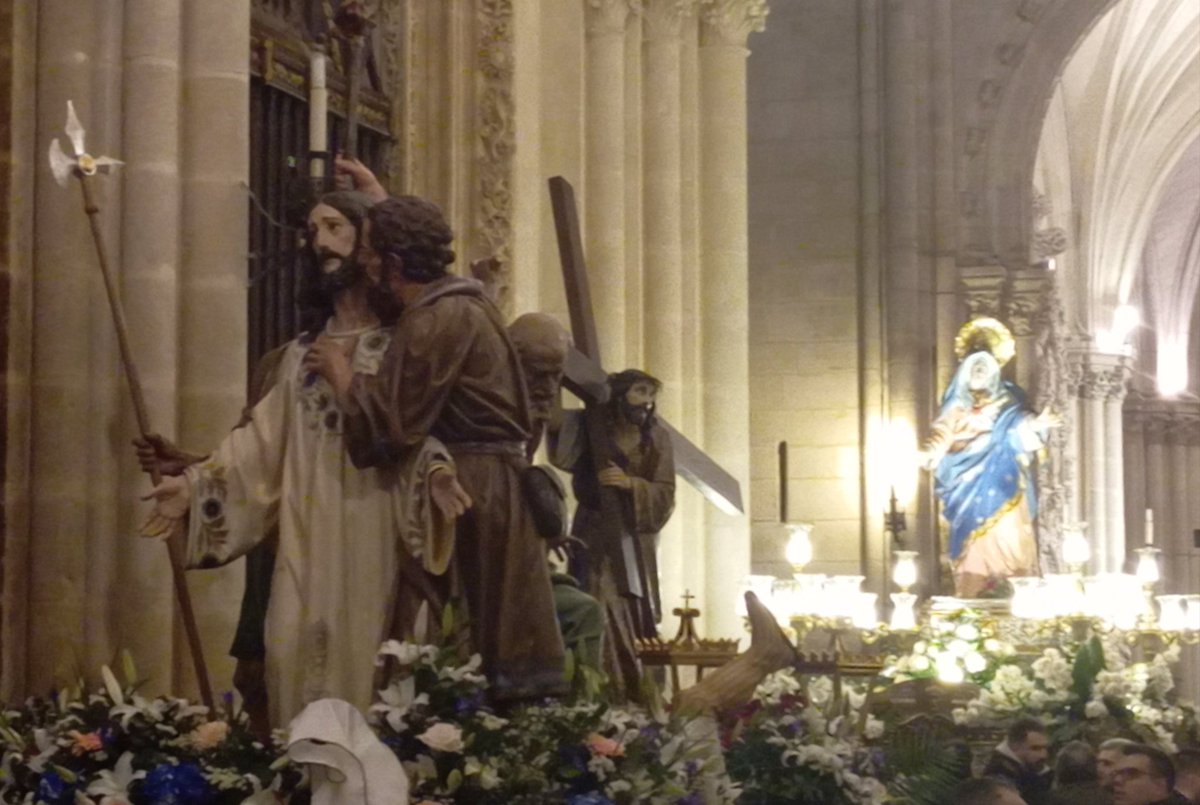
(981, 451)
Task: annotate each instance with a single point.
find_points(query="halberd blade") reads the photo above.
(61, 165)
(75, 130)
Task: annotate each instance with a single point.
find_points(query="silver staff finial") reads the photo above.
(62, 166)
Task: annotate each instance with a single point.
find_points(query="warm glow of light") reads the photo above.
(761, 586)
(1114, 340)
(799, 551)
(904, 574)
(1024, 601)
(1171, 616)
(1076, 551)
(1147, 566)
(902, 460)
(904, 617)
(1172, 366)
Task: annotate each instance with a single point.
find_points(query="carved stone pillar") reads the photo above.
(1183, 486)
(662, 226)
(725, 25)
(1102, 388)
(1053, 389)
(604, 190)
(983, 290)
(1026, 296)
(212, 366)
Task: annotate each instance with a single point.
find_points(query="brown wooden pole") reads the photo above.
(175, 545)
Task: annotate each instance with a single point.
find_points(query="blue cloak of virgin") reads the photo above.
(982, 482)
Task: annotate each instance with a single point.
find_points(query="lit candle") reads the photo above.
(318, 103)
(1149, 526)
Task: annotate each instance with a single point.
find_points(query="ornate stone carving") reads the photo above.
(729, 22)
(608, 17)
(1104, 379)
(1052, 391)
(663, 19)
(1049, 242)
(1041, 205)
(392, 31)
(983, 290)
(496, 135)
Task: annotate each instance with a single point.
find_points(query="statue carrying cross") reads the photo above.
(623, 459)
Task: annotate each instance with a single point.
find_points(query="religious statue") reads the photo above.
(357, 549)
(640, 470)
(542, 344)
(983, 443)
(452, 372)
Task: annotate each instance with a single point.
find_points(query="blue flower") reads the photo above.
(690, 799)
(590, 798)
(177, 785)
(54, 790)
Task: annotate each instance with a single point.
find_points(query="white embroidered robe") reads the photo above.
(340, 529)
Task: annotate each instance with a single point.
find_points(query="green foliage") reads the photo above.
(1089, 662)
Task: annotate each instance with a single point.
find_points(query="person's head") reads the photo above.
(1107, 756)
(406, 242)
(542, 345)
(334, 231)
(633, 396)
(986, 791)
(1143, 775)
(1076, 763)
(1028, 740)
(1187, 773)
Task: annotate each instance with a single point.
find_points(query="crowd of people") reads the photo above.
(1117, 772)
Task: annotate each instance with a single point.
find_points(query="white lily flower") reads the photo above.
(113, 786)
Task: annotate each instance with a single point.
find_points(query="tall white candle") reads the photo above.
(1149, 526)
(318, 104)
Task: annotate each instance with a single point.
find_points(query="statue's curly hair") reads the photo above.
(415, 231)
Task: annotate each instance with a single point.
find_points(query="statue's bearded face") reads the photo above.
(543, 375)
(333, 239)
(638, 403)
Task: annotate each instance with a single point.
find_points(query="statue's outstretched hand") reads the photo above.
(156, 452)
(172, 499)
(448, 495)
(1047, 420)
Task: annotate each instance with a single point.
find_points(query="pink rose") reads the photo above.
(209, 735)
(604, 747)
(85, 742)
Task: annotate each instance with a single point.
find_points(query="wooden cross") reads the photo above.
(585, 375)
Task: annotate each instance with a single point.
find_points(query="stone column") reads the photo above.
(150, 220)
(604, 203)
(1177, 539)
(215, 144)
(66, 407)
(1156, 478)
(1114, 453)
(662, 218)
(1102, 388)
(662, 222)
(725, 25)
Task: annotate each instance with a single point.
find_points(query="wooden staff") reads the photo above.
(175, 545)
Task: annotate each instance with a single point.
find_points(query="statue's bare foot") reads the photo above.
(769, 646)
